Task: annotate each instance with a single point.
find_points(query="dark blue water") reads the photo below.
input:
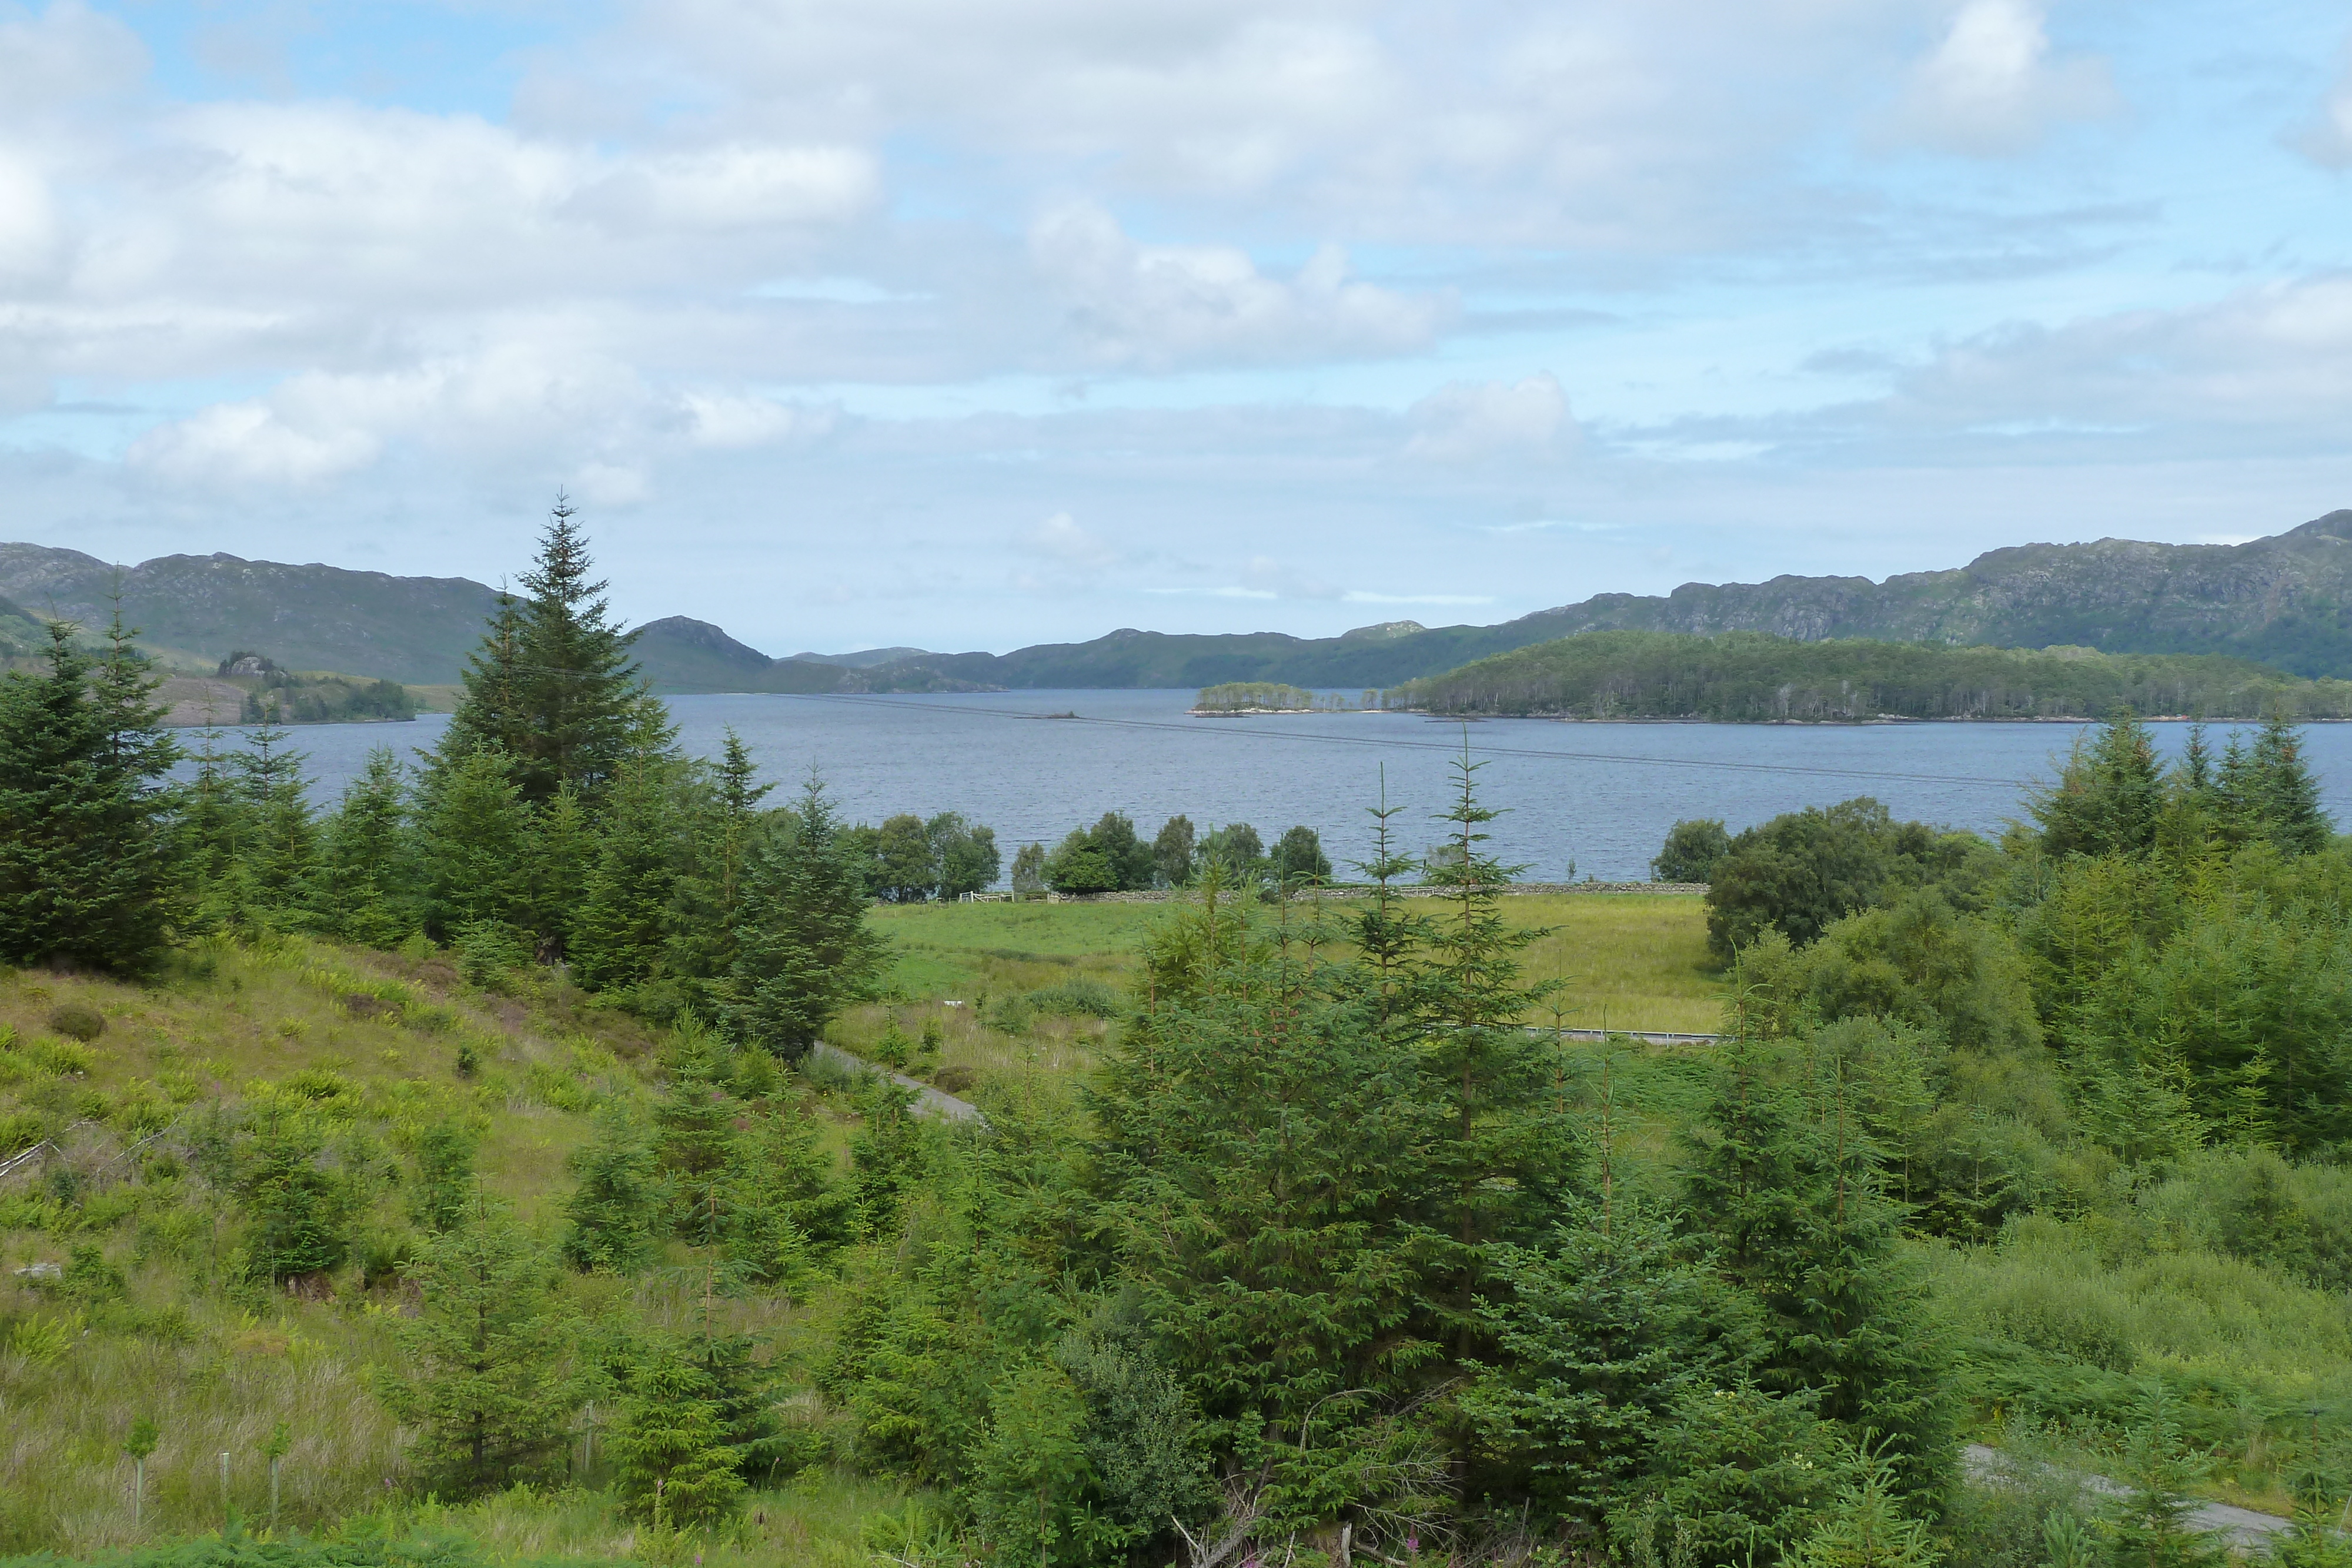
(1599, 795)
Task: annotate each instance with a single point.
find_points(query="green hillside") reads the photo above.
(2284, 601)
(1749, 676)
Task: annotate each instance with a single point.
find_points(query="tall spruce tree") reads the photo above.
(1262, 1173)
(1505, 1162)
(707, 900)
(552, 685)
(804, 948)
(1786, 1184)
(2109, 797)
(84, 871)
(2271, 794)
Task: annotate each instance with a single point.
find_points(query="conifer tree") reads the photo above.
(84, 869)
(1504, 1164)
(483, 1379)
(624, 913)
(298, 1211)
(1262, 1170)
(363, 891)
(2109, 797)
(675, 1464)
(1790, 1191)
(610, 1220)
(2270, 793)
(280, 844)
(804, 950)
(1867, 1527)
(443, 1190)
(552, 685)
(491, 714)
(563, 853)
(1387, 936)
(480, 827)
(708, 900)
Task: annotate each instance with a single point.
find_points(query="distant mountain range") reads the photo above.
(2284, 601)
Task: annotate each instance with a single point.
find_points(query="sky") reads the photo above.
(978, 323)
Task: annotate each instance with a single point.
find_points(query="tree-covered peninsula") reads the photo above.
(1750, 676)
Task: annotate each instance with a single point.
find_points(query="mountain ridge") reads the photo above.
(2284, 599)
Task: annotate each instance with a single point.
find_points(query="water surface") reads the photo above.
(1599, 796)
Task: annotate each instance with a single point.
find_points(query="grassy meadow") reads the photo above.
(1626, 961)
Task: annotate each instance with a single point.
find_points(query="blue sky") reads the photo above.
(971, 323)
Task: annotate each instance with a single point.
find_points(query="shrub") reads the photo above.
(1690, 851)
(1079, 997)
(78, 1021)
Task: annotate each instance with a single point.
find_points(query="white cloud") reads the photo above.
(1157, 306)
(230, 446)
(1992, 88)
(1467, 420)
(61, 60)
(727, 421)
(1062, 542)
(735, 186)
(2326, 140)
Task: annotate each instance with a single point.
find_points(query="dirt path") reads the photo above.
(2238, 1526)
(928, 1099)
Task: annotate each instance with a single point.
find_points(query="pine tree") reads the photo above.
(1602, 1335)
(483, 1379)
(279, 845)
(624, 913)
(443, 1190)
(611, 1217)
(298, 1211)
(676, 1465)
(695, 1130)
(2275, 795)
(84, 869)
(2147, 1525)
(2108, 799)
(491, 714)
(552, 685)
(1505, 1162)
(709, 898)
(1261, 1170)
(563, 853)
(804, 950)
(1867, 1527)
(362, 891)
(1789, 1189)
(480, 830)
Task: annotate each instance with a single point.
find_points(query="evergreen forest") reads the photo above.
(449, 1177)
(1754, 677)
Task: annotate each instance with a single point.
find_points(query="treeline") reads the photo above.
(1258, 696)
(2153, 964)
(1111, 857)
(557, 822)
(1749, 676)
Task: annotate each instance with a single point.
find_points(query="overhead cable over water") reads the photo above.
(1389, 743)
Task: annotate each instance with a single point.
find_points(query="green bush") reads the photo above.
(1079, 997)
(78, 1021)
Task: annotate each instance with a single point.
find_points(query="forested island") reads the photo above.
(452, 1177)
(1752, 677)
